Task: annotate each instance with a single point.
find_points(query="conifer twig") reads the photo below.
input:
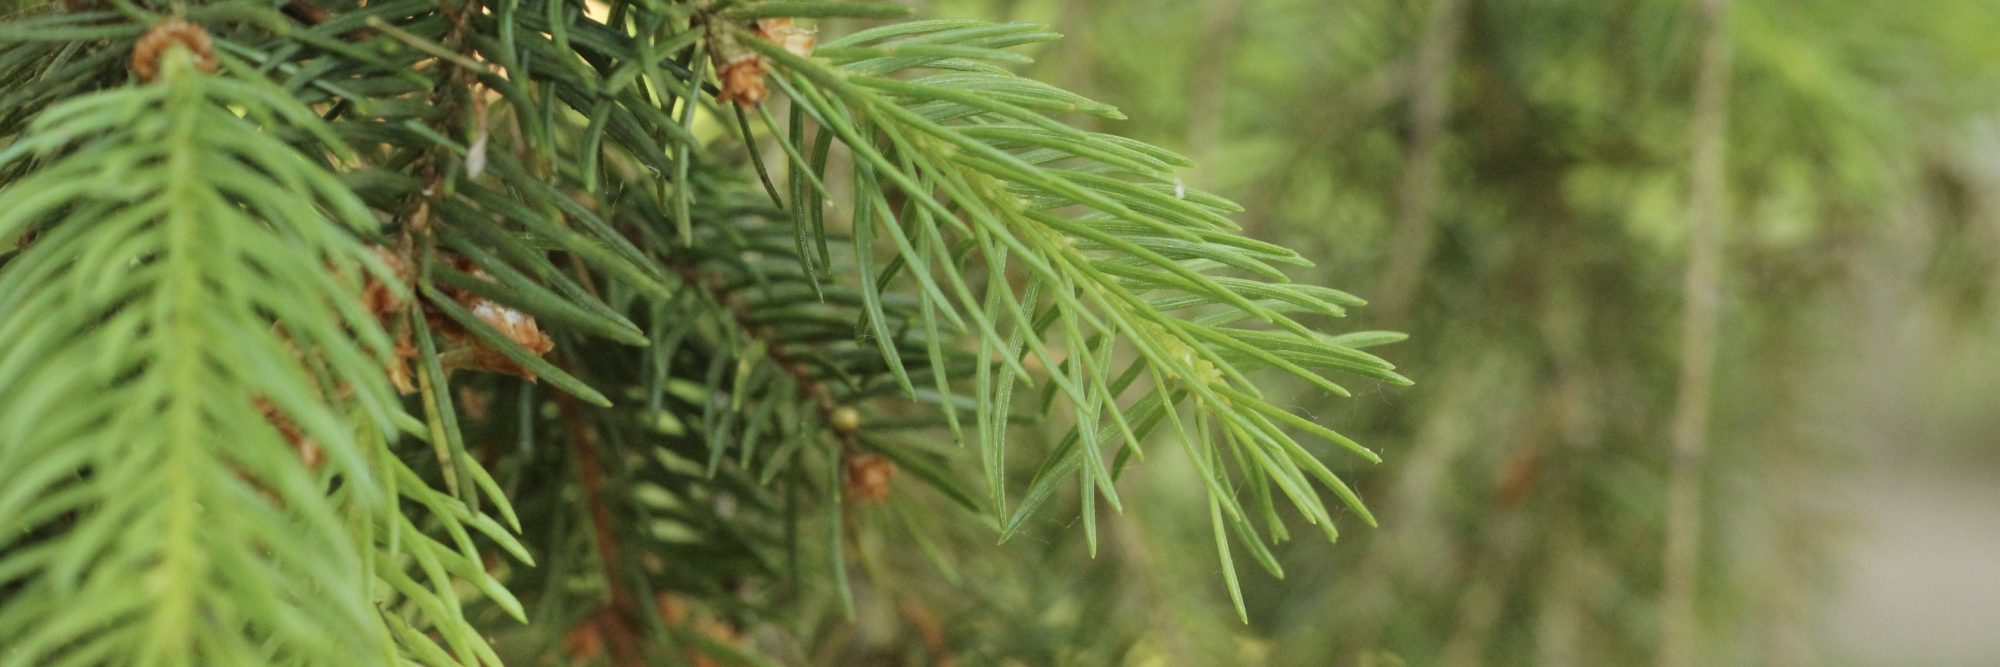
(306, 12)
(617, 622)
(810, 388)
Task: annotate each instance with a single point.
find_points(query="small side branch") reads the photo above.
(810, 388)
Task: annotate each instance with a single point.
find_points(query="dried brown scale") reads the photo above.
(793, 39)
(461, 349)
(146, 52)
(308, 449)
(386, 304)
(742, 78)
(867, 477)
(740, 71)
(466, 350)
(382, 301)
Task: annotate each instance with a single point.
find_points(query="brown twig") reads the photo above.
(146, 52)
(305, 11)
(615, 627)
(617, 624)
(809, 386)
(867, 475)
(311, 14)
(928, 629)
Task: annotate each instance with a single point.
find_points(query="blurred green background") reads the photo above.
(1509, 181)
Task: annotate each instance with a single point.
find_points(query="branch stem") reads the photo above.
(618, 627)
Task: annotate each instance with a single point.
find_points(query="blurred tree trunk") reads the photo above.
(1679, 622)
(1211, 80)
(1430, 104)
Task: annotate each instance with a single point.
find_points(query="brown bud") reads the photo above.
(147, 51)
(742, 79)
(868, 476)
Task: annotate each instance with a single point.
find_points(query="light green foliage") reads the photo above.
(972, 138)
(153, 511)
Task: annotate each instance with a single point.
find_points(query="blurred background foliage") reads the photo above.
(1509, 180)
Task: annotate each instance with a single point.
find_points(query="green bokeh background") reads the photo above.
(1847, 494)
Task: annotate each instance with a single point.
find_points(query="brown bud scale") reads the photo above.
(151, 46)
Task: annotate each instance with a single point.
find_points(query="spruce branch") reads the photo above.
(976, 158)
(177, 266)
(524, 178)
(166, 517)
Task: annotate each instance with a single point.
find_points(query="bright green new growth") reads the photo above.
(145, 381)
(192, 256)
(1110, 273)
